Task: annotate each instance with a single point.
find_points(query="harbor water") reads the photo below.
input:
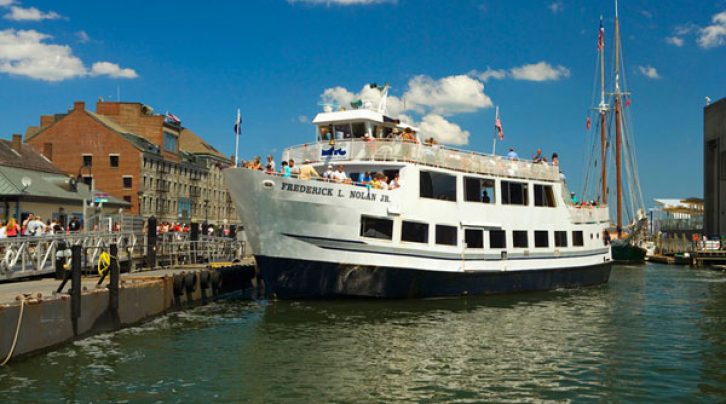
(654, 333)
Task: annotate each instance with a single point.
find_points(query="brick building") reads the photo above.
(160, 167)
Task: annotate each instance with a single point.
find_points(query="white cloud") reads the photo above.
(26, 53)
(541, 71)
(30, 14)
(436, 126)
(83, 37)
(446, 96)
(343, 97)
(686, 28)
(112, 70)
(647, 14)
(302, 119)
(341, 2)
(5, 3)
(675, 41)
(490, 73)
(713, 35)
(649, 72)
(556, 7)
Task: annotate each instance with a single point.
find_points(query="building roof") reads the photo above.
(191, 143)
(26, 158)
(44, 185)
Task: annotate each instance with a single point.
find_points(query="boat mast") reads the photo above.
(618, 145)
(602, 108)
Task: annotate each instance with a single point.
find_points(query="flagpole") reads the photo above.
(494, 140)
(236, 138)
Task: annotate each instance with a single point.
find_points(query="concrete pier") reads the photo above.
(47, 318)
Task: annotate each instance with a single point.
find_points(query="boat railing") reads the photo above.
(585, 213)
(394, 150)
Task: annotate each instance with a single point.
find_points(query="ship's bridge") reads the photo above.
(359, 124)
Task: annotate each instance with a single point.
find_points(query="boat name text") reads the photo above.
(326, 191)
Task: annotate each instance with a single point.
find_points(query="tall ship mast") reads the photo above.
(369, 209)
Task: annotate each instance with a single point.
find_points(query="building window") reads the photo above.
(544, 196)
(519, 239)
(170, 142)
(87, 160)
(376, 228)
(474, 238)
(577, 239)
(415, 232)
(514, 193)
(560, 239)
(437, 186)
(497, 239)
(446, 235)
(541, 239)
(113, 160)
(128, 181)
(127, 198)
(478, 190)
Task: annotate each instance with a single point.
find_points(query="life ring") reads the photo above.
(104, 263)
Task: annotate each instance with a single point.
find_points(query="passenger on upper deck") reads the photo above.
(329, 173)
(537, 158)
(395, 183)
(409, 136)
(339, 174)
(555, 160)
(512, 155)
(271, 161)
(256, 164)
(294, 170)
(307, 171)
(285, 170)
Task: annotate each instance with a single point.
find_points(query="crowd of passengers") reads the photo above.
(288, 169)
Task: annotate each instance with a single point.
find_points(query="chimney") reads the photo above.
(79, 106)
(17, 143)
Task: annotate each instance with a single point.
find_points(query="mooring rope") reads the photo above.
(17, 332)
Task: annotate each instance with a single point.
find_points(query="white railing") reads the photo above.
(589, 214)
(435, 156)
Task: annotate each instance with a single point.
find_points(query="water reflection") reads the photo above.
(654, 332)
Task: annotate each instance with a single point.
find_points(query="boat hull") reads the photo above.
(628, 254)
(288, 278)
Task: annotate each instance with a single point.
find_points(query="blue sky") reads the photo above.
(452, 61)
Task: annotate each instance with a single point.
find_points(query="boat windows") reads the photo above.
(560, 239)
(514, 193)
(544, 196)
(437, 186)
(324, 132)
(497, 239)
(376, 227)
(474, 238)
(519, 239)
(541, 239)
(415, 232)
(446, 235)
(478, 190)
(359, 129)
(577, 239)
(342, 131)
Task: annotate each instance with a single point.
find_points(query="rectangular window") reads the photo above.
(127, 198)
(577, 239)
(128, 181)
(88, 180)
(113, 160)
(519, 239)
(544, 196)
(497, 239)
(415, 232)
(376, 228)
(437, 186)
(446, 235)
(478, 190)
(514, 193)
(560, 239)
(87, 160)
(170, 142)
(541, 239)
(359, 129)
(474, 238)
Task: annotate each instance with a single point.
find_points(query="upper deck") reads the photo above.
(396, 150)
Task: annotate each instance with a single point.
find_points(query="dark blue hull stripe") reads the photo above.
(293, 278)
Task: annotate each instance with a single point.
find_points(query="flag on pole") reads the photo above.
(498, 126)
(238, 123)
(589, 123)
(627, 102)
(601, 37)
(173, 118)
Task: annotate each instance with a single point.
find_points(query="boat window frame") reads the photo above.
(365, 217)
(414, 222)
(482, 188)
(560, 237)
(578, 242)
(546, 196)
(514, 238)
(466, 238)
(506, 196)
(448, 226)
(494, 246)
(433, 196)
(537, 243)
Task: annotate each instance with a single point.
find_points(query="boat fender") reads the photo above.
(178, 283)
(204, 279)
(190, 282)
(216, 280)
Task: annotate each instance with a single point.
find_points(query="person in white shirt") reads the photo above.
(329, 173)
(271, 162)
(339, 175)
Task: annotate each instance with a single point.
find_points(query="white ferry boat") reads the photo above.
(458, 223)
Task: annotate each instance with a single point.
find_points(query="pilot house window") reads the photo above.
(514, 193)
(478, 190)
(437, 186)
(376, 227)
(543, 196)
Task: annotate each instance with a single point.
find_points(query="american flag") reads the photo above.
(173, 118)
(498, 126)
(601, 37)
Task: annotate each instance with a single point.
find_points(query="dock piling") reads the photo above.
(76, 287)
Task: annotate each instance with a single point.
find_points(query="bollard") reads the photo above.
(151, 244)
(76, 287)
(194, 238)
(113, 291)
